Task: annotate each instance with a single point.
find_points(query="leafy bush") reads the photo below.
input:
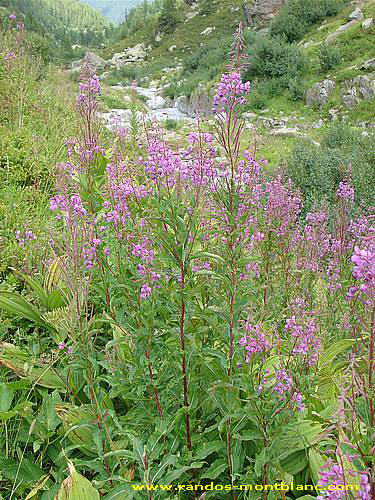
(296, 16)
(329, 56)
(344, 154)
(171, 124)
(113, 102)
(296, 89)
(273, 57)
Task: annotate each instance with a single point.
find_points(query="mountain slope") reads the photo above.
(71, 21)
(115, 10)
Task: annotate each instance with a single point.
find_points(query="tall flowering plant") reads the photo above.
(199, 347)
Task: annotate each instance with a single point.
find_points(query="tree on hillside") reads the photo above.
(207, 6)
(168, 16)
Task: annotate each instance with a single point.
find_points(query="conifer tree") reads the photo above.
(168, 16)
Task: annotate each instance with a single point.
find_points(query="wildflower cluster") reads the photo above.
(231, 92)
(25, 237)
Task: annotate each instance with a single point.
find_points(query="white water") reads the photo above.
(157, 110)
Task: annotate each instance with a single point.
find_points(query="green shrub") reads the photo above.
(296, 89)
(113, 102)
(170, 124)
(295, 17)
(329, 56)
(274, 58)
(317, 171)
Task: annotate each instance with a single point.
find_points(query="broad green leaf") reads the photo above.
(47, 414)
(19, 362)
(35, 286)
(217, 468)
(335, 349)
(16, 305)
(7, 415)
(76, 487)
(170, 478)
(208, 449)
(55, 300)
(165, 463)
(316, 462)
(248, 436)
(295, 462)
(6, 397)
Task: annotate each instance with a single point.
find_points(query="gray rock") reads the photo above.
(207, 31)
(96, 62)
(249, 117)
(369, 64)
(318, 124)
(260, 12)
(359, 88)
(76, 66)
(172, 48)
(156, 102)
(333, 116)
(318, 95)
(190, 16)
(357, 15)
(182, 104)
(367, 23)
(130, 55)
(344, 27)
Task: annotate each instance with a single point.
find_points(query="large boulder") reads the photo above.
(357, 89)
(369, 64)
(130, 55)
(357, 14)
(318, 94)
(260, 12)
(96, 62)
(367, 23)
(183, 105)
(156, 102)
(344, 27)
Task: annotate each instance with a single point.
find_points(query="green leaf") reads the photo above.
(260, 461)
(295, 462)
(124, 492)
(16, 305)
(316, 462)
(335, 349)
(34, 285)
(47, 414)
(76, 487)
(23, 471)
(6, 397)
(40, 485)
(7, 415)
(248, 436)
(55, 300)
(129, 455)
(217, 468)
(23, 365)
(170, 478)
(166, 462)
(208, 449)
